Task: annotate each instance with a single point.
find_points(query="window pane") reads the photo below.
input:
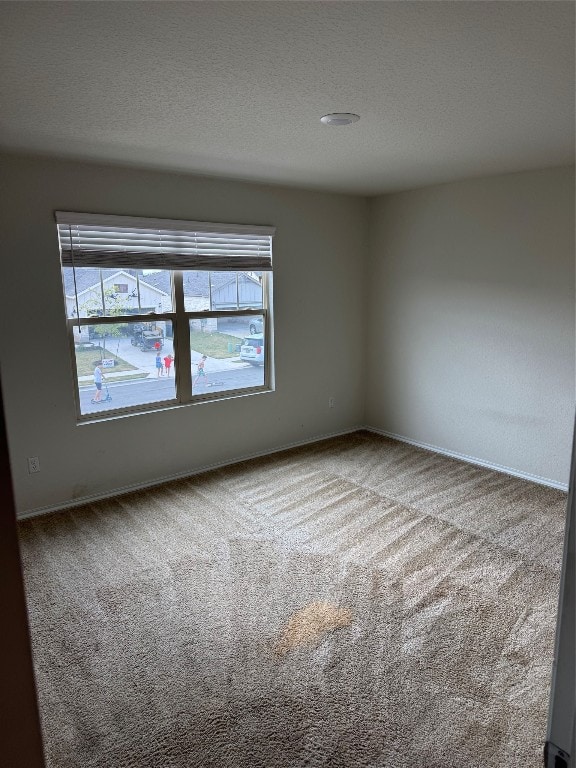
(136, 365)
(219, 291)
(225, 354)
(116, 291)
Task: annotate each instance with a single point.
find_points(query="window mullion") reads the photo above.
(182, 342)
(266, 297)
(203, 314)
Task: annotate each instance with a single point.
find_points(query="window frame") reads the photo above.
(180, 319)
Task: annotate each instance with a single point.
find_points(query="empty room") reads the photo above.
(287, 367)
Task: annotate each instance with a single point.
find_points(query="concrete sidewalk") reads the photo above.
(113, 375)
(145, 362)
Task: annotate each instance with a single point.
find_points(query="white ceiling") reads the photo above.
(445, 90)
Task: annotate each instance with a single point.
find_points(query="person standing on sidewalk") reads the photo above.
(168, 364)
(98, 377)
(201, 372)
(159, 365)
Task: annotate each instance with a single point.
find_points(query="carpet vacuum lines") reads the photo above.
(342, 622)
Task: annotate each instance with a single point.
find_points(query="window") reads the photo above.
(163, 312)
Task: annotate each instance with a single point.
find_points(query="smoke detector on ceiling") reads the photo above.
(340, 118)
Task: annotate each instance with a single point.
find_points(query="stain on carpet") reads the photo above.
(310, 624)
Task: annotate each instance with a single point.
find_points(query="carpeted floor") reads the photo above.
(354, 603)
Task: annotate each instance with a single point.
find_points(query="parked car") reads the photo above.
(252, 349)
(256, 325)
(147, 337)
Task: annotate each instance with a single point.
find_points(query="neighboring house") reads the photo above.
(213, 290)
(243, 290)
(202, 291)
(122, 289)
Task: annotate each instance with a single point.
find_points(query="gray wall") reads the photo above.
(454, 328)
(319, 258)
(471, 319)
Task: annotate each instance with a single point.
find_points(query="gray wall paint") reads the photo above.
(471, 319)
(454, 328)
(319, 291)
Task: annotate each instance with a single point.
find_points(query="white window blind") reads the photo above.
(90, 240)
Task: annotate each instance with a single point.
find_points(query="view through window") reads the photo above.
(145, 334)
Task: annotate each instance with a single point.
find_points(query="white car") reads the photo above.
(252, 349)
(256, 325)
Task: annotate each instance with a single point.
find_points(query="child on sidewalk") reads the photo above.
(98, 378)
(168, 364)
(201, 372)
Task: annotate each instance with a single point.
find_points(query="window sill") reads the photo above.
(170, 406)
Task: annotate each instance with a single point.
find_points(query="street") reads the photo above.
(151, 390)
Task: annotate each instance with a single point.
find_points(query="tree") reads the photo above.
(114, 304)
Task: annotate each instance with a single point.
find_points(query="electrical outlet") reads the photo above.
(331, 402)
(33, 464)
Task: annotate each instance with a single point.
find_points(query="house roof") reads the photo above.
(195, 283)
(88, 277)
(226, 279)
(445, 91)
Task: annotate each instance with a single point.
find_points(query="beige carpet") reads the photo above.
(355, 603)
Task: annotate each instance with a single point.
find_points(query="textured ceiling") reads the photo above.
(445, 90)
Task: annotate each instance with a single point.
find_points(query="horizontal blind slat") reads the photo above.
(156, 237)
(100, 245)
(177, 261)
(166, 248)
(97, 220)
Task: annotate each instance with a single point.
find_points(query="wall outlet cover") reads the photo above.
(33, 464)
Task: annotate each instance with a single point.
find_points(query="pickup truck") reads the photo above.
(147, 337)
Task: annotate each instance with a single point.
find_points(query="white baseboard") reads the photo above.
(472, 460)
(78, 502)
(206, 468)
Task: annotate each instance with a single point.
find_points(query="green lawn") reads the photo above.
(86, 360)
(214, 344)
